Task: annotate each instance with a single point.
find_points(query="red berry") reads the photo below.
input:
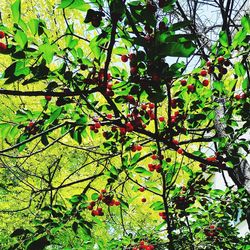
(129, 127)
(89, 207)
(173, 103)
(205, 82)
(154, 157)
(151, 105)
(97, 125)
(143, 199)
(133, 148)
(175, 142)
(124, 58)
(114, 128)
(221, 59)
(31, 124)
(103, 191)
(109, 116)
(132, 57)
(138, 147)
(3, 47)
(133, 70)
(243, 96)
(144, 106)
(211, 159)
(183, 82)
(141, 189)
(203, 72)
(168, 160)
(92, 203)
(122, 130)
(117, 203)
(212, 226)
(237, 97)
(161, 119)
(191, 88)
(2, 34)
(208, 63)
(130, 99)
(48, 98)
(180, 151)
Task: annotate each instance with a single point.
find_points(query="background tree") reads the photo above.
(110, 139)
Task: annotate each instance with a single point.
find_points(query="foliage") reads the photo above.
(107, 142)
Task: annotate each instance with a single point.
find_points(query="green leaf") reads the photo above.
(16, 10)
(114, 170)
(239, 69)
(143, 171)
(74, 4)
(218, 86)
(21, 38)
(120, 51)
(158, 205)
(135, 158)
(245, 22)
(223, 39)
(177, 49)
(21, 69)
(54, 115)
(33, 26)
(48, 51)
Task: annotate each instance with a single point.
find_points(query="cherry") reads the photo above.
(130, 99)
(3, 47)
(144, 106)
(117, 203)
(141, 189)
(154, 157)
(243, 96)
(133, 148)
(2, 34)
(48, 98)
(180, 151)
(97, 125)
(203, 72)
(205, 82)
(31, 124)
(161, 119)
(124, 58)
(122, 130)
(144, 199)
(92, 203)
(208, 63)
(151, 105)
(191, 88)
(133, 70)
(211, 69)
(168, 160)
(211, 159)
(221, 59)
(237, 97)
(183, 82)
(109, 116)
(83, 67)
(175, 142)
(129, 127)
(138, 147)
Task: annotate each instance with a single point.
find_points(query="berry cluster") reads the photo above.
(212, 231)
(105, 198)
(143, 245)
